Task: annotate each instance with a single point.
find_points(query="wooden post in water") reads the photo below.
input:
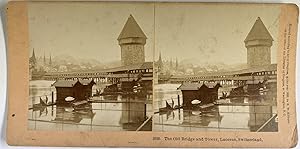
(145, 110)
(52, 98)
(52, 102)
(178, 101)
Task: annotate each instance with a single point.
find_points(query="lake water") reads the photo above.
(239, 114)
(125, 116)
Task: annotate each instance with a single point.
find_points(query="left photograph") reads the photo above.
(90, 66)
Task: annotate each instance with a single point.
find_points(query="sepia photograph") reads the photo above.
(216, 67)
(92, 69)
(151, 74)
(90, 66)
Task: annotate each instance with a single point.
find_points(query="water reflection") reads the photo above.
(201, 117)
(106, 113)
(249, 113)
(133, 114)
(71, 115)
(40, 89)
(262, 110)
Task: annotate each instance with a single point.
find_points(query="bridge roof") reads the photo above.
(190, 86)
(195, 86)
(65, 83)
(271, 67)
(145, 65)
(86, 82)
(254, 81)
(122, 75)
(128, 79)
(71, 83)
(77, 72)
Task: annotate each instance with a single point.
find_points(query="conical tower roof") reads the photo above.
(131, 29)
(258, 31)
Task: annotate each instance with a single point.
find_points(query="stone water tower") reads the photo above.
(258, 43)
(132, 40)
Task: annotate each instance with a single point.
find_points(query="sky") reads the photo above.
(203, 32)
(86, 29)
(211, 32)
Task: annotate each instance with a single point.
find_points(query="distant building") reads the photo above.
(132, 40)
(258, 43)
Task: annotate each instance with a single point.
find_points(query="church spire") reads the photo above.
(159, 59)
(44, 58)
(176, 63)
(33, 58)
(171, 63)
(50, 60)
(159, 62)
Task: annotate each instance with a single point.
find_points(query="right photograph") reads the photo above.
(215, 69)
